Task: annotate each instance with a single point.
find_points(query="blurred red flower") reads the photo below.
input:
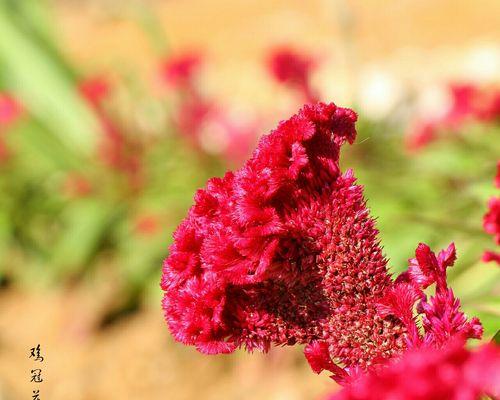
(469, 103)
(95, 90)
(293, 68)
(489, 256)
(497, 177)
(10, 111)
(115, 149)
(147, 225)
(77, 185)
(449, 373)
(420, 135)
(179, 71)
(491, 220)
(206, 124)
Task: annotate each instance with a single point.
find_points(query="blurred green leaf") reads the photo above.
(476, 281)
(86, 224)
(5, 234)
(46, 90)
(41, 150)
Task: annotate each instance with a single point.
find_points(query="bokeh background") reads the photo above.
(112, 114)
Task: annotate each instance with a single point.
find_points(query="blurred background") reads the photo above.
(112, 114)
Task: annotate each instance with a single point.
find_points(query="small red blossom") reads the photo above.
(421, 134)
(449, 373)
(10, 110)
(179, 71)
(293, 68)
(491, 220)
(76, 186)
(95, 90)
(463, 105)
(487, 105)
(147, 225)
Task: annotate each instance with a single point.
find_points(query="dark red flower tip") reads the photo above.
(283, 251)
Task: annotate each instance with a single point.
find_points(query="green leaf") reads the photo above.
(86, 225)
(496, 338)
(5, 232)
(39, 147)
(44, 87)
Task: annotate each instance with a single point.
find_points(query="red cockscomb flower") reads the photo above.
(290, 67)
(450, 373)
(491, 220)
(284, 251)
